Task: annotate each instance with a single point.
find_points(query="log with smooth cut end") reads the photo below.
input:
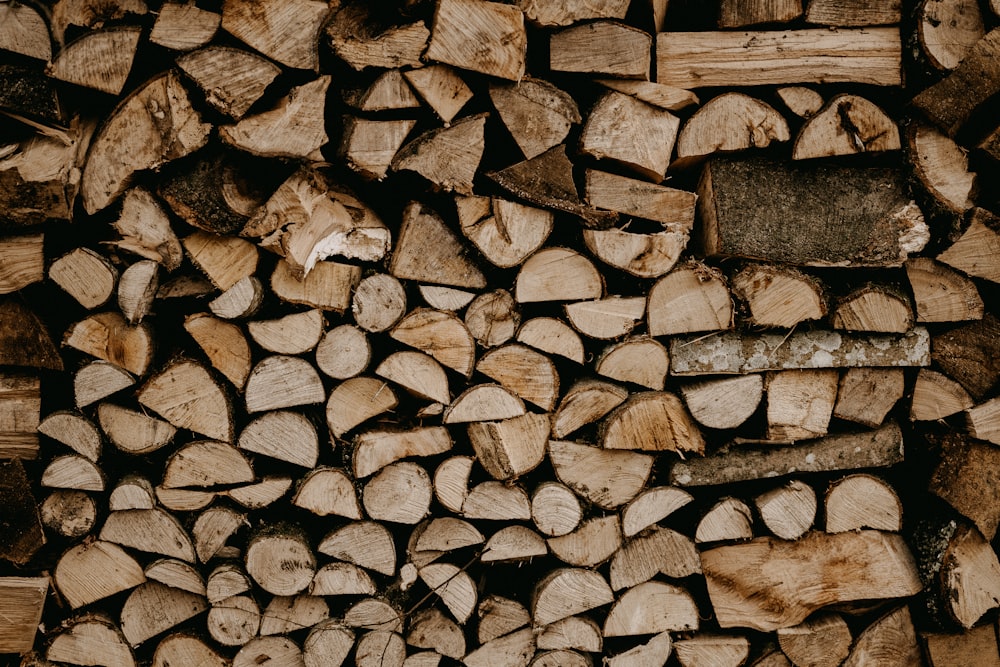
(95, 570)
(133, 432)
(355, 401)
(802, 101)
(454, 586)
(942, 166)
(552, 336)
(480, 36)
(866, 395)
(656, 551)
(512, 447)
(585, 402)
(724, 403)
(728, 123)
(652, 506)
(279, 651)
(283, 435)
(846, 125)
(326, 491)
(342, 579)
(441, 334)
(972, 253)
(187, 396)
(606, 48)
(484, 402)
(399, 493)
(947, 30)
(530, 375)
(83, 274)
(137, 289)
(712, 649)
(100, 59)
(285, 32)
(441, 88)
(631, 134)
(692, 297)
(942, 294)
(641, 255)
(428, 251)
(558, 274)
(283, 381)
(603, 319)
(109, 337)
(280, 561)
(206, 463)
(327, 644)
(516, 648)
(800, 403)
(292, 334)
(343, 352)
(448, 156)
(788, 511)
(877, 308)
(431, 629)
(862, 501)
(538, 114)
(375, 449)
(936, 396)
(358, 40)
(73, 430)
(555, 509)
(496, 501)
(580, 633)
(153, 608)
(88, 636)
(213, 528)
(891, 638)
(379, 302)
(591, 543)
(240, 301)
(651, 421)
(499, 616)
(234, 620)
(71, 471)
(728, 520)
(181, 649)
(505, 232)
(418, 373)
(779, 296)
(225, 260)
(286, 614)
(514, 544)
(451, 482)
(231, 78)
(606, 477)
(152, 530)
(184, 27)
(650, 608)
(368, 146)
(223, 343)
(566, 592)
(653, 653)
(364, 543)
(493, 318)
(69, 513)
(640, 360)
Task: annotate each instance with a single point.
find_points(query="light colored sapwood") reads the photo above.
(941, 294)
(232, 79)
(730, 122)
(605, 48)
(479, 36)
(630, 133)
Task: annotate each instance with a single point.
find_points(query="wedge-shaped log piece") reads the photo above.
(496, 501)
(110, 337)
(727, 123)
(553, 337)
(709, 59)
(440, 334)
(484, 402)
(800, 404)
(942, 167)
(24, 263)
(86, 276)
(365, 543)
(294, 128)
(962, 573)
(431, 629)
(584, 403)
(874, 308)
(517, 649)
(848, 451)
(358, 39)
(225, 260)
(25, 32)
(593, 542)
(968, 354)
(342, 579)
(441, 88)
(862, 501)
(89, 636)
(714, 649)
(232, 79)
(748, 221)
(512, 447)
(728, 520)
(292, 334)
(723, 403)
(280, 560)
(73, 472)
(660, 550)
(418, 373)
(651, 506)
(527, 373)
(326, 491)
(184, 27)
(282, 381)
(223, 343)
(674, 208)
(846, 125)
(95, 570)
(607, 478)
(607, 318)
(978, 644)
(548, 15)
(973, 252)
(692, 297)
(241, 300)
(98, 380)
(152, 126)
(328, 643)
(736, 14)
(801, 101)
(186, 500)
(853, 12)
(630, 133)
(493, 318)
(983, 421)
(132, 493)
(730, 352)
(538, 114)
(650, 608)
(505, 232)
(399, 493)
(327, 287)
(24, 340)
(73, 430)
(133, 432)
(499, 616)
(284, 435)
(823, 640)
(287, 32)
(642, 361)
(641, 255)
(269, 649)
(187, 396)
(445, 298)
(891, 638)
(567, 592)
(454, 586)
(513, 544)
(185, 649)
(950, 102)
(368, 146)
(256, 495)
(558, 274)
(555, 509)
(865, 395)
(428, 251)
(206, 463)
(750, 586)
(652, 421)
(941, 294)
(779, 296)
(213, 528)
(448, 157)
(936, 396)
(100, 59)
(446, 534)
(605, 48)
(153, 608)
(480, 36)
(137, 289)
(20, 415)
(373, 450)
(355, 401)
(963, 476)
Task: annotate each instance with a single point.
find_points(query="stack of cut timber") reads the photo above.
(500, 334)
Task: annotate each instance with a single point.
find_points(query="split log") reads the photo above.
(779, 296)
(607, 318)
(285, 32)
(866, 395)
(448, 157)
(284, 435)
(93, 571)
(416, 372)
(441, 335)
(25, 32)
(569, 591)
(428, 251)
(650, 608)
(240, 301)
(24, 340)
(728, 123)
(593, 542)
(630, 133)
(186, 649)
(709, 649)
(651, 654)
(651, 421)
(972, 253)
(652, 506)
(982, 421)
(657, 94)
(977, 644)
(966, 354)
(69, 513)
(579, 633)
(399, 493)
(87, 636)
(852, 12)
(496, 501)
(942, 167)
(671, 207)
(479, 36)
(948, 30)
(788, 511)
(516, 648)
(552, 336)
(941, 294)
(510, 448)
(368, 146)
(232, 79)
(100, 59)
(73, 472)
(133, 432)
(499, 616)
(936, 396)
(555, 511)
(187, 396)
(184, 27)
(692, 297)
(343, 352)
(505, 232)
(326, 491)
(862, 501)
(223, 343)
(445, 298)
(801, 101)
(607, 478)
(660, 550)
(558, 274)
(639, 360)
(373, 450)
(604, 48)
(493, 318)
(537, 114)
(728, 520)
(585, 402)
(137, 288)
(73, 430)
(724, 403)
(800, 404)
(98, 380)
(152, 608)
(441, 88)
(547, 15)
(431, 629)
(823, 640)
(874, 308)
(734, 14)
(846, 125)
(24, 262)
(204, 464)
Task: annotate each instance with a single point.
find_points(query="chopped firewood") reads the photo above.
(674, 208)
(723, 403)
(206, 463)
(132, 493)
(660, 550)
(133, 432)
(280, 561)
(152, 608)
(24, 340)
(983, 421)
(499, 616)
(282, 381)
(389, 91)
(640, 360)
(942, 167)
(87, 637)
(137, 289)
(369, 146)
(704, 59)
(735, 14)
(603, 319)
(741, 213)
(862, 501)
(936, 396)
(517, 648)
(145, 230)
(293, 128)
(480, 36)
(343, 352)
(225, 260)
(25, 32)
(73, 472)
(788, 511)
(100, 59)
(179, 649)
(327, 287)
(846, 125)
(448, 157)
(342, 579)
(730, 352)
(234, 620)
(973, 646)
(536, 113)
(555, 510)
(948, 30)
(373, 450)
(290, 613)
(874, 308)
(364, 543)
(226, 581)
(418, 373)
(493, 318)
(98, 380)
(441, 88)
(494, 501)
(511, 447)
(85, 275)
(558, 274)
(232, 79)
(256, 495)
(95, 570)
(950, 102)
(630, 133)
(727, 123)
(972, 253)
(187, 396)
(657, 94)
(223, 343)
(649, 608)
(428, 251)
(848, 451)
(591, 543)
(505, 232)
(865, 395)
(942, 294)
(750, 584)
(967, 354)
(326, 491)
(553, 337)
(184, 500)
(134, 138)
(24, 262)
(20, 415)
(607, 478)
(73, 430)
(440, 334)
(727, 520)
(824, 640)
(275, 650)
(284, 435)
(546, 14)
(525, 372)
(328, 643)
(355, 401)
(801, 101)
(547, 181)
(285, 32)
(853, 12)
(513, 543)
(651, 421)
(108, 336)
(603, 48)
(356, 40)
(692, 297)
(651, 506)
(800, 404)
(292, 334)
(708, 649)
(183, 27)
(240, 301)
(454, 586)
(379, 302)
(962, 479)
(569, 591)
(431, 629)
(653, 653)
(399, 493)
(445, 298)
(585, 402)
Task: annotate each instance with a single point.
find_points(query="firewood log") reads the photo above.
(516, 648)
(232, 79)
(971, 253)
(630, 133)
(607, 478)
(727, 520)
(479, 36)
(505, 232)
(133, 432)
(723, 403)
(87, 636)
(651, 654)
(941, 294)
(152, 608)
(184, 27)
(206, 463)
(538, 114)
(101, 59)
(692, 297)
(569, 591)
(93, 571)
(493, 318)
(788, 511)
(642, 255)
(69, 513)
(739, 15)
(443, 261)
(448, 157)
(660, 550)
(583, 403)
(650, 608)
(651, 421)
(800, 404)
(441, 88)
(977, 644)
(25, 263)
(846, 125)
(97, 380)
(802, 101)
(965, 354)
(25, 32)
(708, 649)
(552, 336)
(279, 651)
(185, 649)
(73, 472)
(400, 492)
(823, 640)
(942, 166)
(862, 501)
(727, 123)
(555, 510)
(605, 48)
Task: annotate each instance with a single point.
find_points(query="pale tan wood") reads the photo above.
(389, 91)
(607, 478)
(862, 501)
(95, 570)
(343, 352)
(259, 494)
(133, 139)
(607, 318)
(355, 401)
(100, 59)
(866, 395)
(451, 482)
(183, 27)
(692, 297)
(728, 352)
(24, 262)
(293, 128)
(593, 542)
(974, 646)
(847, 451)
(82, 273)
(132, 493)
(368, 146)
(505, 232)
(240, 301)
(567, 592)
(449, 156)
(942, 166)
(493, 318)
(23, 601)
(530, 375)
(98, 380)
(87, 636)
(440, 334)
(445, 298)
(327, 645)
(585, 402)
(25, 32)
(941, 294)
(513, 544)
(375, 449)
(73, 430)
(184, 500)
(145, 230)
(969, 577)
(853, 12)
(846, 125)
(936, 396)
(186, 395)
(983, 421)
(133, 432)
(479, 36)
(287, 32)
(280, 561)
(538, 114)
(974, 252)
(557, 274)
(962, 478)
(342, 579)
(379, 302)
(735, 14)
(282, 381)
(559, 658)
(206, 463)
(178, 649)
(723, 403)
(729, 122)
(708, 649)
(152, 530)
(642, 255)
(651, 506)
(277, 651)
(605, 48)
(874, 308)
(226, 581)
(653, 653)
(800, 403)
(284, 435)
(447, 534)
(399, 493)
(499, 616)
(630, 133)
(183, 286)
(745, 580)
(555, 510)
(801, 101)
(708, 59)
(326, 491)
(418, 373)
(454, 586)
(652, 421)
(287, 614)
(495, 501)
(511, 447)
(483, 402)
(428, 251)
(431, 629)
(779, 296)
(292, 334)
(788, 511)
(552, 336)
(639, 360)
(176, 574)
(137, 288)
(580, 633)
(890, 638)
(660, 550)
(223, 343)
(20, 415)
(234, 621)
(68, 512)
(152, 608)
(71, 471)
(358, 40)
(947, 30)
(441, 88)
(516, 648)
(549, 15)
(232, 79)
(650, 608)
(225, 260)
(657, 94)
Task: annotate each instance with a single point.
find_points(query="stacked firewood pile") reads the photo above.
(438, 332)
